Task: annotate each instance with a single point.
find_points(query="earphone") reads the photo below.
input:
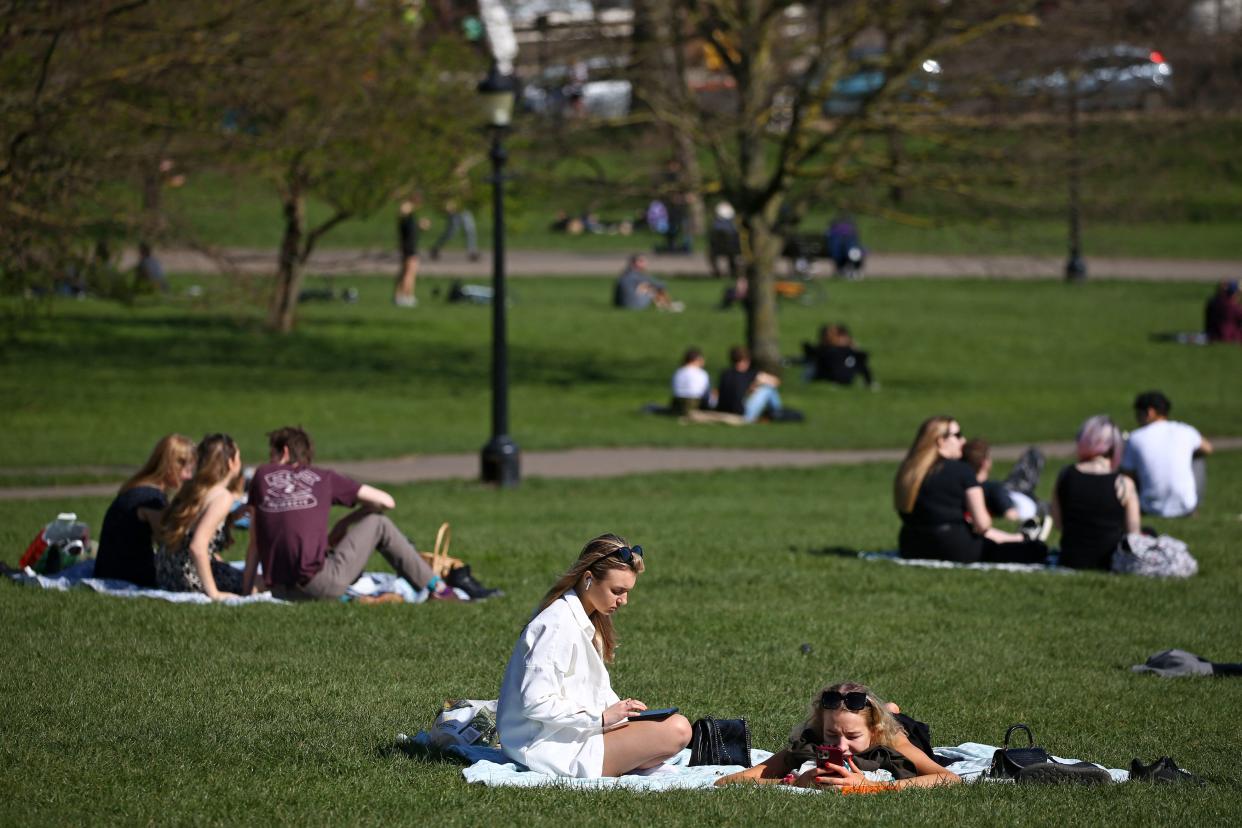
(588, 582)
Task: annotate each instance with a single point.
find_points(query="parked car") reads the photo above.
(566, 90)
(1120, 76)
(849, 93)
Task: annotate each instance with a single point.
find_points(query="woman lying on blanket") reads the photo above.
(193, 529)
(557, 712)
(872, 736)
(126, 549)
(935, 490)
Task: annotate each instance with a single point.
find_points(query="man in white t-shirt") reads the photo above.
(692, 386)
(1160, 456)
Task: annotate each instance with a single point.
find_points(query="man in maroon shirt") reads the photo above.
(301, 559)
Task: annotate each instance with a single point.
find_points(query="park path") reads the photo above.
(523, 263)
(572, 463)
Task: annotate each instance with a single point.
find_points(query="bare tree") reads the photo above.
(346, 102)
(90, 94)
(773, 148)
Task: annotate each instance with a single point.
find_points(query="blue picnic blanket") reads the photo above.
(489, 766)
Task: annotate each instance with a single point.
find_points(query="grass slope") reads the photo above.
(986, 191)
(93, 382)
(138, 711)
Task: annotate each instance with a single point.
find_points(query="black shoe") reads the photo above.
(1056, 773)
(467, 583)
(1163, 770)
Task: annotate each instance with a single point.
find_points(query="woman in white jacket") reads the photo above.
(557, 712)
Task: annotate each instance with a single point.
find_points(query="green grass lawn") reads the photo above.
(986, 190)
(92, 382)
(137, 711)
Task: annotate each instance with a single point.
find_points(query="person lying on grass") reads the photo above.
(869, 734)
(557, 712)
(193, 528)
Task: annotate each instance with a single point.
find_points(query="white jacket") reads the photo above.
(554, 693)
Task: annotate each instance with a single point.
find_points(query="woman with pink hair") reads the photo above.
(1093, 504)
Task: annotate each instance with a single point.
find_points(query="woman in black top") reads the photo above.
(1093, 504)
(126, 550)
(935, 491)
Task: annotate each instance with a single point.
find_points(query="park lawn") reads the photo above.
(1178, 198)
(136, 711)
(93, 382)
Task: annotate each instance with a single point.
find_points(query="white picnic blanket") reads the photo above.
(489, 766)
(894, 556)
(82, 575)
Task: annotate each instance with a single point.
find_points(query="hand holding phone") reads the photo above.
(656, 715)
(826, 755)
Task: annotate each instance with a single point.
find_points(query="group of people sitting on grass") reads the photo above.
(743, 394)
(948, 508)
(558, 714)
(835, 357)
(170, 522)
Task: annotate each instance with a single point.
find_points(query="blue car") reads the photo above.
(849, 93)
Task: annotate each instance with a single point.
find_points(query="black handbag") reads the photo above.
(1008, 761)
(720, 742)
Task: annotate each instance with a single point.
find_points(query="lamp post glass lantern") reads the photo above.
(500, 458)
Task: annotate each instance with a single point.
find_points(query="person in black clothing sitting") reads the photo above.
(935, 491)
(836, 359)
(1093, 504)
(126, 550)
(745, 390)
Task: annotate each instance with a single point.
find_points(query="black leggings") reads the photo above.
(957, 542)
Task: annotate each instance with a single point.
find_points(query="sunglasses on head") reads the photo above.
(855, 700)
(627, 553)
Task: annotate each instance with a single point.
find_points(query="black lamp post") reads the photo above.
(1075, 266)
(500, 457)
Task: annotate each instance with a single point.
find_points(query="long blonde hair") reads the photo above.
(172, 454)
(922, 455)
(597, 557)
(883, 728)
(215, 452)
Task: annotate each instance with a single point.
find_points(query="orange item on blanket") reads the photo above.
(866, 789)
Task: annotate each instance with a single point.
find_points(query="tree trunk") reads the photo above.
(658, 39)
(896, 164)
(691, 181)
(761, 249)
(289, 276)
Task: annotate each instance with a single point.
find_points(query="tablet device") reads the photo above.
(652, 715)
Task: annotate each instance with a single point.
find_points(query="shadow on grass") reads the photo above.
(426, 754)
(348, 350)
(835, 552)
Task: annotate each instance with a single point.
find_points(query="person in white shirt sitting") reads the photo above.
(557, 712)
(692, 386)
(1165, 459)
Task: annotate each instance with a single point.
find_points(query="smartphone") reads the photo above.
(830, 754)
(652, 715)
